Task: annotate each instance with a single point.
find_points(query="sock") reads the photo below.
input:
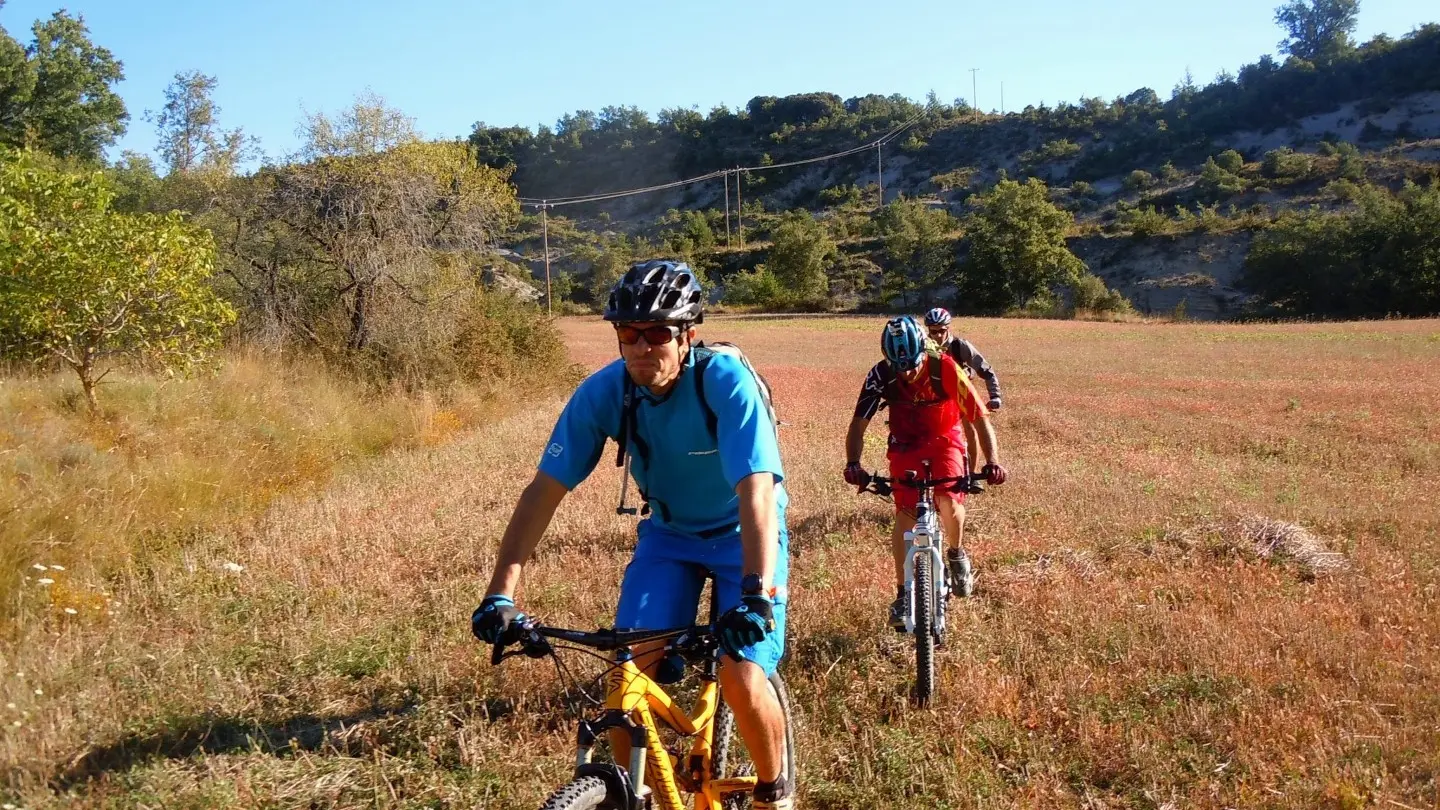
(772, 791)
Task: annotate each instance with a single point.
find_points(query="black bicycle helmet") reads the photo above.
(657, 290)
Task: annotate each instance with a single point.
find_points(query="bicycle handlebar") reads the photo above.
(534, 637)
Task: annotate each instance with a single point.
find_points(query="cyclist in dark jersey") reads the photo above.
(937, 324)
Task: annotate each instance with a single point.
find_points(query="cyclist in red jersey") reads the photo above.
(930, 399)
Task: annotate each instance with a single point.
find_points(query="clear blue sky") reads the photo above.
(450, 63)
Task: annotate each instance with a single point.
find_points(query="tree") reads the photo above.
(188, 130)
(1382, 258)
(367, 127)
(1017, 247)
(1318, 30)
(801, 254)
(918, 243)
(71, 110)
(84, 284)
(17, 84)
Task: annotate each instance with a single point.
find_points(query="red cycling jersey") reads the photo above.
(919, 414)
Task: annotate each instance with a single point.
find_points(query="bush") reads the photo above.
(754, 288)
(1219, 183)
(1285, 164)
(1231, 161)
(840, 195)
(1091, 295)
(1144, 221)
(1139, 180)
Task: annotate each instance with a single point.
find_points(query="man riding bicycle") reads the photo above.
(929, 398)
(706, 460)
(937, 324)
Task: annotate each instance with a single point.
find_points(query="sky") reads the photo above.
(451, 63)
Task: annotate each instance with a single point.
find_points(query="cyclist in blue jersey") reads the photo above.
(700, 434)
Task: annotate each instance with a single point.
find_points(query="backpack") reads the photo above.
(704, 353)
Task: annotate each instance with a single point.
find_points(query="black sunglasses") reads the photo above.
(654, 335)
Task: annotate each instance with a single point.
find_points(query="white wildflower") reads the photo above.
(39, 567)
(57, 567)
(71, 611)
(233, 567)
(39, 691)
(45, 581)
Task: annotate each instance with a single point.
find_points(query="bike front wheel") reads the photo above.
(585, 793)
(730, 757)
(924, 590)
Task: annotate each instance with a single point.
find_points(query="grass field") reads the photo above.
(1138, 639)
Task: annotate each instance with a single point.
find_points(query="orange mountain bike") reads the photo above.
(714, 772)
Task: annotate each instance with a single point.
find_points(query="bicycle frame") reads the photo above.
(635, 702)
(927, 538)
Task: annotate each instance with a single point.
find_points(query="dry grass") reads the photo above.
(1130, 646)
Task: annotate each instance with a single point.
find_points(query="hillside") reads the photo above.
(1103, 161)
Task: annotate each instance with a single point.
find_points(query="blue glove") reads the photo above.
(494, 620)
(745, 625)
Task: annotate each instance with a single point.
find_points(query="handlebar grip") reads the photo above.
(496, 653)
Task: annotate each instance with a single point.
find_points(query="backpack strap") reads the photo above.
(712, 422)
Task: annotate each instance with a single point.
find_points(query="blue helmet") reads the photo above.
(903, 343)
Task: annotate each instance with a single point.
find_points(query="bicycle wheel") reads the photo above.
(585, 793)
(924, 586)
(730, 757)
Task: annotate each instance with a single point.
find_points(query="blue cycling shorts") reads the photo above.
(664, 580)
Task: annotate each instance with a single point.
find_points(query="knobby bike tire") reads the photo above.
(726, 738)
(924, 635)
(585, 793)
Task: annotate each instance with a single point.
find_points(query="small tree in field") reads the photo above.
(85, 285)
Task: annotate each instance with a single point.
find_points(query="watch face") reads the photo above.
(751, 584)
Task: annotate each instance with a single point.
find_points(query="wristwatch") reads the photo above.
(752, 585)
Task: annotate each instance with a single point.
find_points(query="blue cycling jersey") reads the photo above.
(688, 477)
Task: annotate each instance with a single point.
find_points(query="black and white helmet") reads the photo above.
(657, 290)
(939, 316)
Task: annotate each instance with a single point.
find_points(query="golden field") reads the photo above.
(1142, 638)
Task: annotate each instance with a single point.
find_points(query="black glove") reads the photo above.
(745, 625)
(496, 620)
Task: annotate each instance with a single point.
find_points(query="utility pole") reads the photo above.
(739, 211)
(1002, 99)
(726, 178)
(975, 94)
(545, 229)
(879, 175)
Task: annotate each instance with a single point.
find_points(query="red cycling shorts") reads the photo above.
(946, 459)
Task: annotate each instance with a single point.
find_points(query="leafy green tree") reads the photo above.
(801, 253)
(84, 284)
(137, 185)
(917, 241)
(1318, 30)
(1380, 259)
(66, 106)
(17, 84)
(1017, 247)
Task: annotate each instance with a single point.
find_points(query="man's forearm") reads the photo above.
(855, 440)
(986, 433)
(527, 525)
(759, 525)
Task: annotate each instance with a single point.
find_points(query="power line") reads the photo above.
(535, 202)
